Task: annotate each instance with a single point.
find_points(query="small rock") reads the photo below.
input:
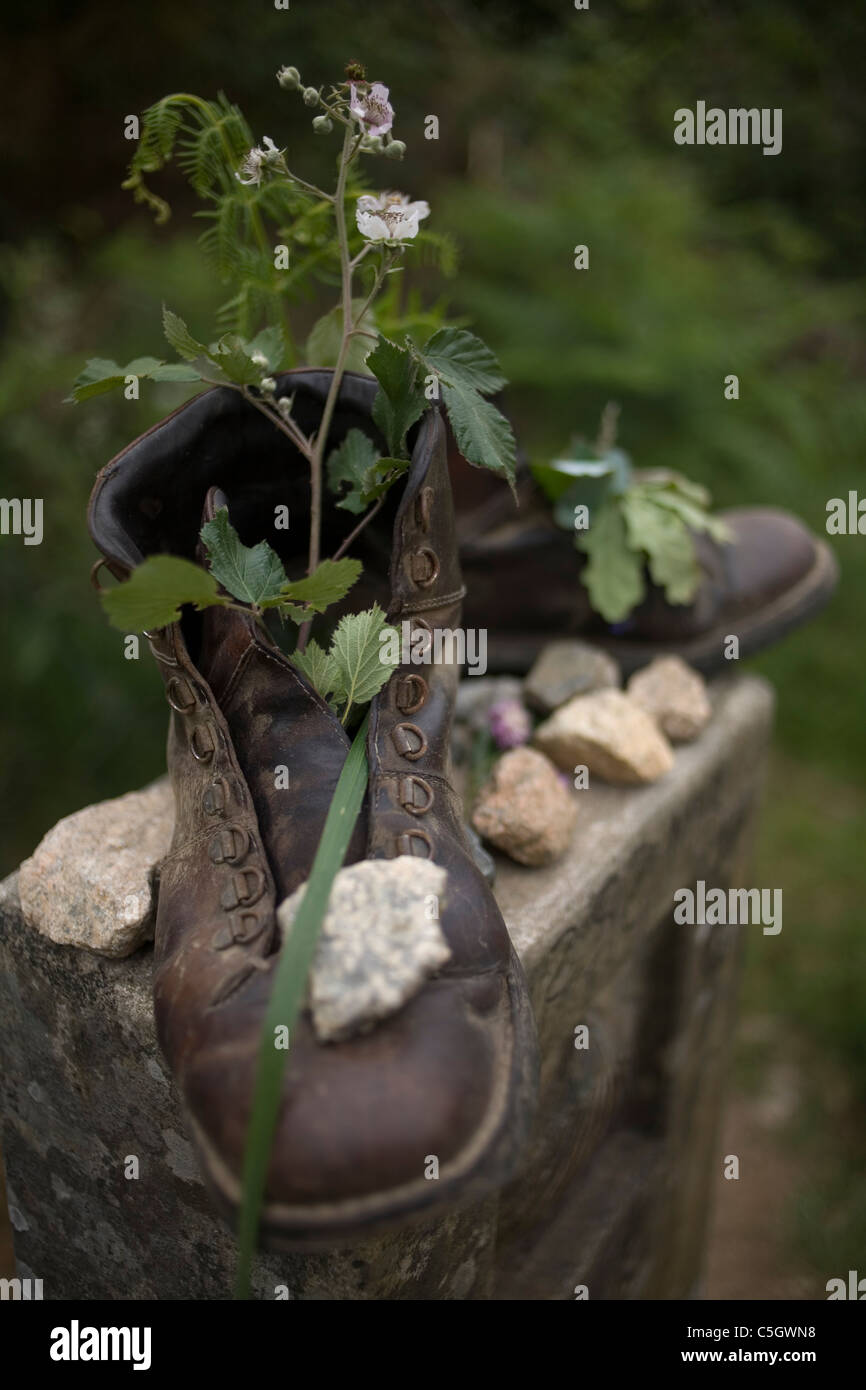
(378, 944)
(609, 734)
(566, 669)
(675, 696)
(90, 881)
(524, 810)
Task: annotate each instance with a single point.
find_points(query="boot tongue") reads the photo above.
(225, 633)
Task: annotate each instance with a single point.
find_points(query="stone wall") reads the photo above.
(613, 1191)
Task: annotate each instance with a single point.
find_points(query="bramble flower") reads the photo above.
(371, 108)
(255, 162)
(389, 216)
(509, 723)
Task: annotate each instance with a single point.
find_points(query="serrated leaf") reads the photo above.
(381, 476)
(232, 358)
(484, 436)
(399, 401)
(101, 375)
(613, 576)
(323, 344)
(667, 478)
(464, 360)
(252, 574)
(693, 514)
(669, 547)
(271, 344)
(319, 668)
(349, 464)
(330, 581)
(357, 652)
(179, 337)
(152, 596)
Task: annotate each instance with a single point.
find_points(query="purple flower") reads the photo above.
(510, 724)
(371, 108)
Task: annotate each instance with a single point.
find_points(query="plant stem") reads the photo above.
(353, 535)
(321, 438)
(288, 427)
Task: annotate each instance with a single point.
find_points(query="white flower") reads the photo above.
(370, 106)
(256, 160)
(389, 217)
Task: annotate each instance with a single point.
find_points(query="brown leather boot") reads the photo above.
(523, 578)
(452, 1074)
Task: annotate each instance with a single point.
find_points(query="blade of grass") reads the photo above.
(288, 995)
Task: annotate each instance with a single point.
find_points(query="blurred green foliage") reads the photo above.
(555, 130)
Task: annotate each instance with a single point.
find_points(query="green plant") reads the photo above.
(210, 141)
(628, 523)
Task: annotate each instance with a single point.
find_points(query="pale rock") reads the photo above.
(524, 809)
(675, 696)
(608, 733)
(379, 942)
(566, 669)
(90, 881)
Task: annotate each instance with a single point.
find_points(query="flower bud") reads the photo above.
(322, 125)
(311, 96)
(395, 149)
(373, 144)
(355, 71)
(269, 385)
(289, 79)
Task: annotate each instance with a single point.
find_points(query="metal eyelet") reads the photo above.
(424, 508)
(238, 931)
(416, 795)
(180, 695)
(243, 889)
(410, 693)
(202, 744)
(215, 797)
(246, 927)
(410, 838)
(409, 741)
(424, 567)
(229, 845)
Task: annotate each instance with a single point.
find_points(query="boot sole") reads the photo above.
(516, 653)
(486, 1163)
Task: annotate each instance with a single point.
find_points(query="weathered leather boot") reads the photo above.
(523, 578)
(452, 1073)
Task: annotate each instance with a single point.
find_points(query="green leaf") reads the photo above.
(464, 360)
(399, 401)
(153, 594)
(667, 478)
(484, 436)
(101, 375)
(287, 996)
(692, 513)
(669, 547)
(253, 575)
(613, 576)
(180, 338)
(323, 344)
(349, 464)
(357, 652)
(232, 358)
(271, 344)
(381, 476)
(330, 581)
(319, 668)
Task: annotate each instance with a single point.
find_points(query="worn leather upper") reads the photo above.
(449, 1073)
